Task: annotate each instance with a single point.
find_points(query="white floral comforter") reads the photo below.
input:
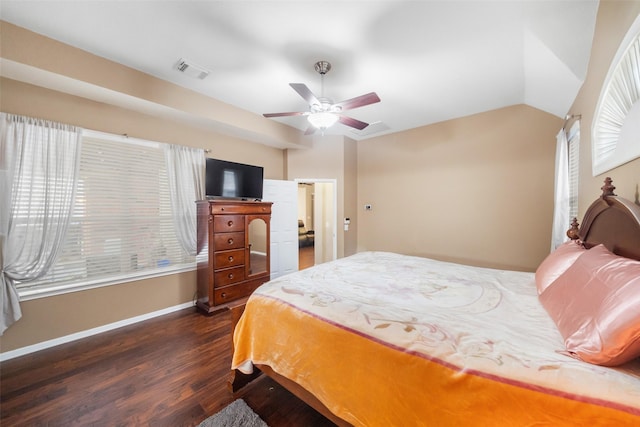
(482, 322)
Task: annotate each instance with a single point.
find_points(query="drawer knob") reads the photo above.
(223, 295)
(230, 241)
(230, 275)
(230, 258)
(230, 223)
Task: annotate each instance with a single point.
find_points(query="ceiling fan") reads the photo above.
(323, 112)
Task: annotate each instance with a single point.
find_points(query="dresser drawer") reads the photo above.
(227, 223)
(228, 276)
(225, 241)
(216, 208)
(234, 292)
(228, 259)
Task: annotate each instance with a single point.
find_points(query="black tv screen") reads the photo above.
(233, 180)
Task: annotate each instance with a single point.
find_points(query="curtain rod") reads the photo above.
(571, 116)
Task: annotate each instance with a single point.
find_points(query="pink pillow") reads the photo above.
(556, 263)
(596, 306)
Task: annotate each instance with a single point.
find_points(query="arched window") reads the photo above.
(616, 125)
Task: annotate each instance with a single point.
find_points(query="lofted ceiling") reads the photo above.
(428, 61)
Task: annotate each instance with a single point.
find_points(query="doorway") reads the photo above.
(317, 221)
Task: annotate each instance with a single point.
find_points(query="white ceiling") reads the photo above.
(428, 61)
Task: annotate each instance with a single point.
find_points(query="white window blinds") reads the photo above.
(122, 226)
(573, 139)
(615, 128)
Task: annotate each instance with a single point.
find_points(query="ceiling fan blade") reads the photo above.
(310, 130)
(359, 101)
(294, 113)
(305, 92)
(354, 123)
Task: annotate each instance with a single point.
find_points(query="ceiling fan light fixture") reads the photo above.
(322, 120)
(323, 112)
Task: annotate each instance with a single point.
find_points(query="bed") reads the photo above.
(383, 339)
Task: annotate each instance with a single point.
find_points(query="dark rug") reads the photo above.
(236, 414)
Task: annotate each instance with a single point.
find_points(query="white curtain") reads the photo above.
(185, 168)
(39, 169)
(561, 220)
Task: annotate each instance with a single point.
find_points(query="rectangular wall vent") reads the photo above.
(191, 69)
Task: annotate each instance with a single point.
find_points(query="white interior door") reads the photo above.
(284, 225)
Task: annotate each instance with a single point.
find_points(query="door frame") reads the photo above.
(334, 215)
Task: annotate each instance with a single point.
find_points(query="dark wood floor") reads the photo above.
(167, 371)
(306, 257)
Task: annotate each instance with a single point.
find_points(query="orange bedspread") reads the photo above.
(433, 353)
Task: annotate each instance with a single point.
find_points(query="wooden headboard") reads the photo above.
(612, 221)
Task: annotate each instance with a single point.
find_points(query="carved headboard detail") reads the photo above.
(612, 221)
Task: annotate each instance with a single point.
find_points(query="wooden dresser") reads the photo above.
(233, 251)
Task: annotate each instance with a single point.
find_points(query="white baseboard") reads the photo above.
(89, 332)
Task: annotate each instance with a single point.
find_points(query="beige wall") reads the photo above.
(477, 190)
(613, 22)
(39, 60)
(26, 99)
(305, 205)
(331, 157)
(54, 317)
(497, 189)
(350, 197)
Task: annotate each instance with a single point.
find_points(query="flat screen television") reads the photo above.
(231, 180)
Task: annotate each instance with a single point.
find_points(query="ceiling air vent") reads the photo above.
(191, 69)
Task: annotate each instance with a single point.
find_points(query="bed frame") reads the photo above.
(610, 220)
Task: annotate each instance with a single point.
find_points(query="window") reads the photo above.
(616, 124)
(122, 226)
(566, 182)
(573, 140)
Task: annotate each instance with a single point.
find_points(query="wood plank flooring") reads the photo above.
(167, 371)
(306, 257)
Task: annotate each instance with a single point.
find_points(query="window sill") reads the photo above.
(49, 291)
